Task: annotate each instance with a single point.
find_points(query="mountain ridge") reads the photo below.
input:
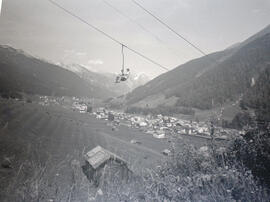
(21, 72)
(204, 84)
(107, 80)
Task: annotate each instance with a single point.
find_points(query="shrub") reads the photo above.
(28, 100)
(89, 109)
(240, 120)
(193, 175)
(253, 150)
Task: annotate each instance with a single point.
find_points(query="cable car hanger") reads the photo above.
(124, 75)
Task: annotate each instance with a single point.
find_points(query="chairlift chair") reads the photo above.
(123, 76)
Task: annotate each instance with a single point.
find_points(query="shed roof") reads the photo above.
(97, 156)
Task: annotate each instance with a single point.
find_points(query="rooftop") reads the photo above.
(97, 156)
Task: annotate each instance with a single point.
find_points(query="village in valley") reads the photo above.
(159, 126)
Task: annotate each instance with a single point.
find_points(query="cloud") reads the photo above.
(255, 11)
(74, 52)
(69, 51)
(95, 62)
(81, 54)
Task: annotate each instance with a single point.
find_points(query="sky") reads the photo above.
(44, 31)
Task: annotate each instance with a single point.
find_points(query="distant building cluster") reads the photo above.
(76, 104)
(160, 126)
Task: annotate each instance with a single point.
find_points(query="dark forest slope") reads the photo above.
(21, 72)
(212, 80)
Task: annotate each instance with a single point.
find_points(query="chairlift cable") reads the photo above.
(107, 35)
(157, 38)
(171, 29)
(123, 60)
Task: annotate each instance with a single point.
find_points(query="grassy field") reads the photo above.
(46, 144)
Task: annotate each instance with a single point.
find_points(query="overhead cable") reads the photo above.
(171, 29)
(139, 25)
(107, 35)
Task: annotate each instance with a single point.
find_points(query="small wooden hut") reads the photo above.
(101, 163)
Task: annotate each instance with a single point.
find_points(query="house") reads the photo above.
(159, 134)
(99, 160)
(142, 124)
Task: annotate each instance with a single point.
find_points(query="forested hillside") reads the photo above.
(212, 80)
(23, 73)
(258, 97)
(179, 76)
(229, 80)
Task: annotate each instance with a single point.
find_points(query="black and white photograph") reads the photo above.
(135, 100)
